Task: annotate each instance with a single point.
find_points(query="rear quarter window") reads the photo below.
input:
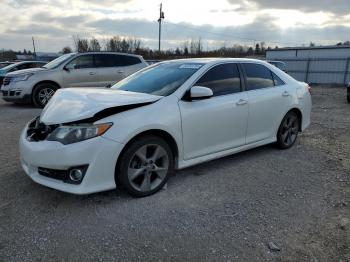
(130, 60)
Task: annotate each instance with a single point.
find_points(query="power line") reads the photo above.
(230, 36)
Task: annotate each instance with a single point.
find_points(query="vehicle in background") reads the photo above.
(19, 66)
(168, 116)
(3, 64)
(279, 64)
(93, 69)
(348, 93)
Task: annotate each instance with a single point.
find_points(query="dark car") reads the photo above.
(348, 93)
(3, 64)
(19, 66)
(279, 64)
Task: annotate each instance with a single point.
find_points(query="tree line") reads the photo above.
(189, 48)
(186, 49)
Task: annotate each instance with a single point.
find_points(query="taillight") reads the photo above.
(309, 89)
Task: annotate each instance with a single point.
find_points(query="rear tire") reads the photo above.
(288, 131)
(145, 166)
(42, 93)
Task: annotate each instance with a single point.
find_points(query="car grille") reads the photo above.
(7, 80)
(11, 93)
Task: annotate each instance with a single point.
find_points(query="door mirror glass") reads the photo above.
(200, 92)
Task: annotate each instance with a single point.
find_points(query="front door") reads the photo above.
(218, 123)
(81, 72)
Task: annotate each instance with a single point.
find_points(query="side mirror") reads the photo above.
(66, 69)
(200, 92)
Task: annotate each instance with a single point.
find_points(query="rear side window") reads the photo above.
(258, 76)
(222, 79)
(130, 60)
(108, 60)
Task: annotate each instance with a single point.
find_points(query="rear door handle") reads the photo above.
(92, 73)
(242, 102)
(285, 93)
(120, 71)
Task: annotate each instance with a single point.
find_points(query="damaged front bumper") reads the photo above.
(98, 154)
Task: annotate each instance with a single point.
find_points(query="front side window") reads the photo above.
(25, 66)
(258, 76)
(81, 62)
(162, 79)
(222, 79)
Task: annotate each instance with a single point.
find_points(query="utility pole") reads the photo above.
(161, 16)
(34, 47)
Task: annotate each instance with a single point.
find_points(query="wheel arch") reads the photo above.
(48, 82)
(43, 82)
(154, 132)
(299, 114)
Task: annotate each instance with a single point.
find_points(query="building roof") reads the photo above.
(310, 48)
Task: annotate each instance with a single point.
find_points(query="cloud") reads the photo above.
(334, 6)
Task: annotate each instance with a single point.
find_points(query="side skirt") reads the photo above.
(187, 163)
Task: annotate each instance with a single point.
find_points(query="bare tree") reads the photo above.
(81, 44)
(66, 50)
(94, 45)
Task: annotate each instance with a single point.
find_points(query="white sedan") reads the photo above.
(165, 117)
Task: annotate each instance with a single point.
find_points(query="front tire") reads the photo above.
(42, 94)
(145, 166)
(288, 131)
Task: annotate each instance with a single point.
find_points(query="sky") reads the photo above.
(53, 23)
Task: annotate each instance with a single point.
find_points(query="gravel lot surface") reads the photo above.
(240, 208)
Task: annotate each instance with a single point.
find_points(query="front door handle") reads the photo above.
(92, 73)
(285, 94)
(242, 102)
(120, 72)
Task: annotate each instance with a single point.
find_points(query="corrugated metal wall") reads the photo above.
(317, 66)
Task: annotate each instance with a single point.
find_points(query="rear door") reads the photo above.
(110, 68)
(81, 72)
(269, 99)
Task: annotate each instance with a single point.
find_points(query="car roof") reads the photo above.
(106, 52)
(214, 60)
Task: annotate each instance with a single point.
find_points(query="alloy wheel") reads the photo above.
(45, 95)
(290, 129)
(148, 167)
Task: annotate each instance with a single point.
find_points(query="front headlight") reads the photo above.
(76, 133)
(23, 77)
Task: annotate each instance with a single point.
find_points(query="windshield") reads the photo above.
(58, 61)
(162, 79)
(9, 67)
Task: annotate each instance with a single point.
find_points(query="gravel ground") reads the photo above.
(225, 210)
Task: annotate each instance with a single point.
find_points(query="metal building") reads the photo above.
(316, 65)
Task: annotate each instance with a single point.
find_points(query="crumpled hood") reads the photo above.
(26, 71)
(75, 104)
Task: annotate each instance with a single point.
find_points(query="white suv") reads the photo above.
(94, 69)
